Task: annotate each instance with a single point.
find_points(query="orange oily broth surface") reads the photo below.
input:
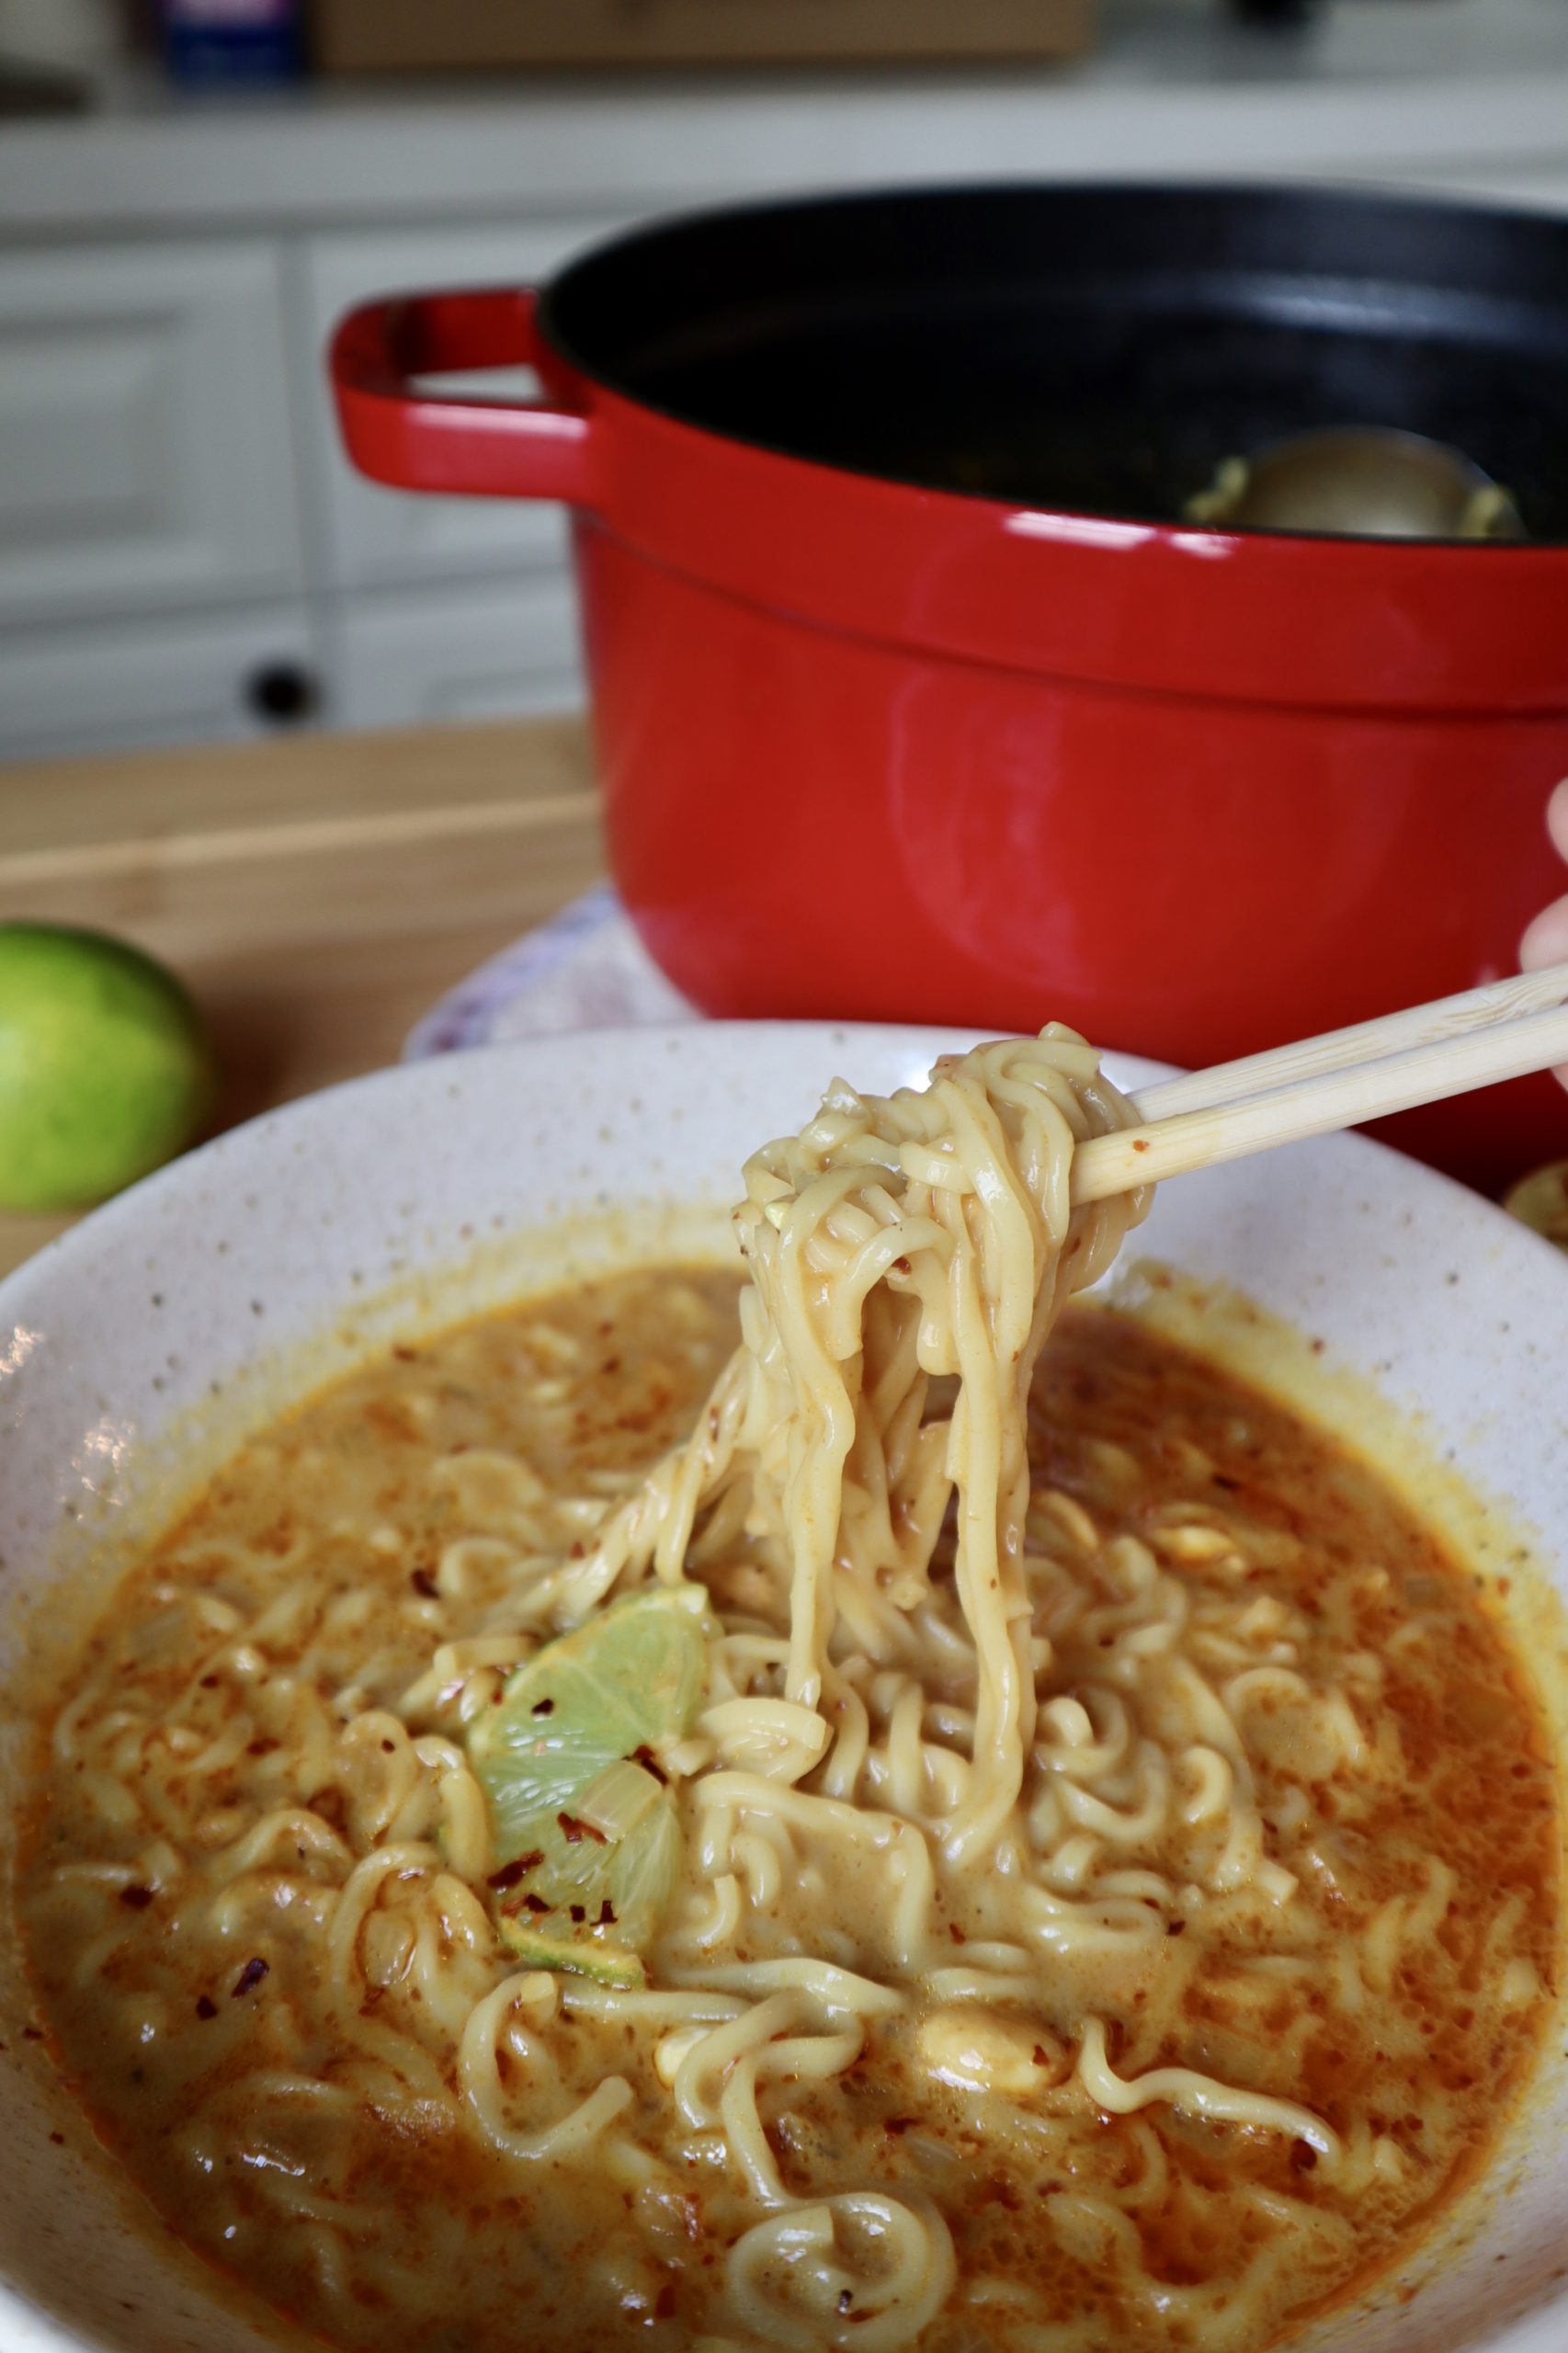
(201, 1809)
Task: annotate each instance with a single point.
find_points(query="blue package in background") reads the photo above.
(251, 44)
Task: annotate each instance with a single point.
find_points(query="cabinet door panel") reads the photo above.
(487, 651)
(108, 688)
(379, 537)
(145, 458)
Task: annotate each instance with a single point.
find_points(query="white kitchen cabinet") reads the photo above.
(91, 688)
(375, 536)
(145, 452)
(489, 650)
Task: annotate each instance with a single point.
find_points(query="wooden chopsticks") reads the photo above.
(1336, 1081)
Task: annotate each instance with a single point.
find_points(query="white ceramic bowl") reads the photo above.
(140, 1348)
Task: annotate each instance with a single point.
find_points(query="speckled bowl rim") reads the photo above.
(287, 1248)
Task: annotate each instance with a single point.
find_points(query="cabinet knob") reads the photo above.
(284, 694)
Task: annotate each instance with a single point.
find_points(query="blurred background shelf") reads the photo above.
(407, 36)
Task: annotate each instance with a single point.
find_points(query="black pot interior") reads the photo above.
(1096, 349)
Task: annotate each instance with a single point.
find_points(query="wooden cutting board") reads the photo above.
(317, 893)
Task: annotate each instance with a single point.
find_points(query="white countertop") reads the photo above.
(1472, 93)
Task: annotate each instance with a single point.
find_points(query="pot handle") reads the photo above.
(416, 440)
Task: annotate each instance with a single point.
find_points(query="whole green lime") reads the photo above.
(105, 1068)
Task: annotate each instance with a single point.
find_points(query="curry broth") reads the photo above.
(195, 1828)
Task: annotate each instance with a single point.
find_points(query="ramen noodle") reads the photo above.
(980, 1845)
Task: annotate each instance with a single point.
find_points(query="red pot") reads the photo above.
(881, 749)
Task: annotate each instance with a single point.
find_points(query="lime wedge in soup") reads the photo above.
(105, 1070)
(586, 1839)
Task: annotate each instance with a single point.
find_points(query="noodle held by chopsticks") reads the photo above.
(897, 1240)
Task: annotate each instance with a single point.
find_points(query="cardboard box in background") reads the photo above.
(430, 36)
